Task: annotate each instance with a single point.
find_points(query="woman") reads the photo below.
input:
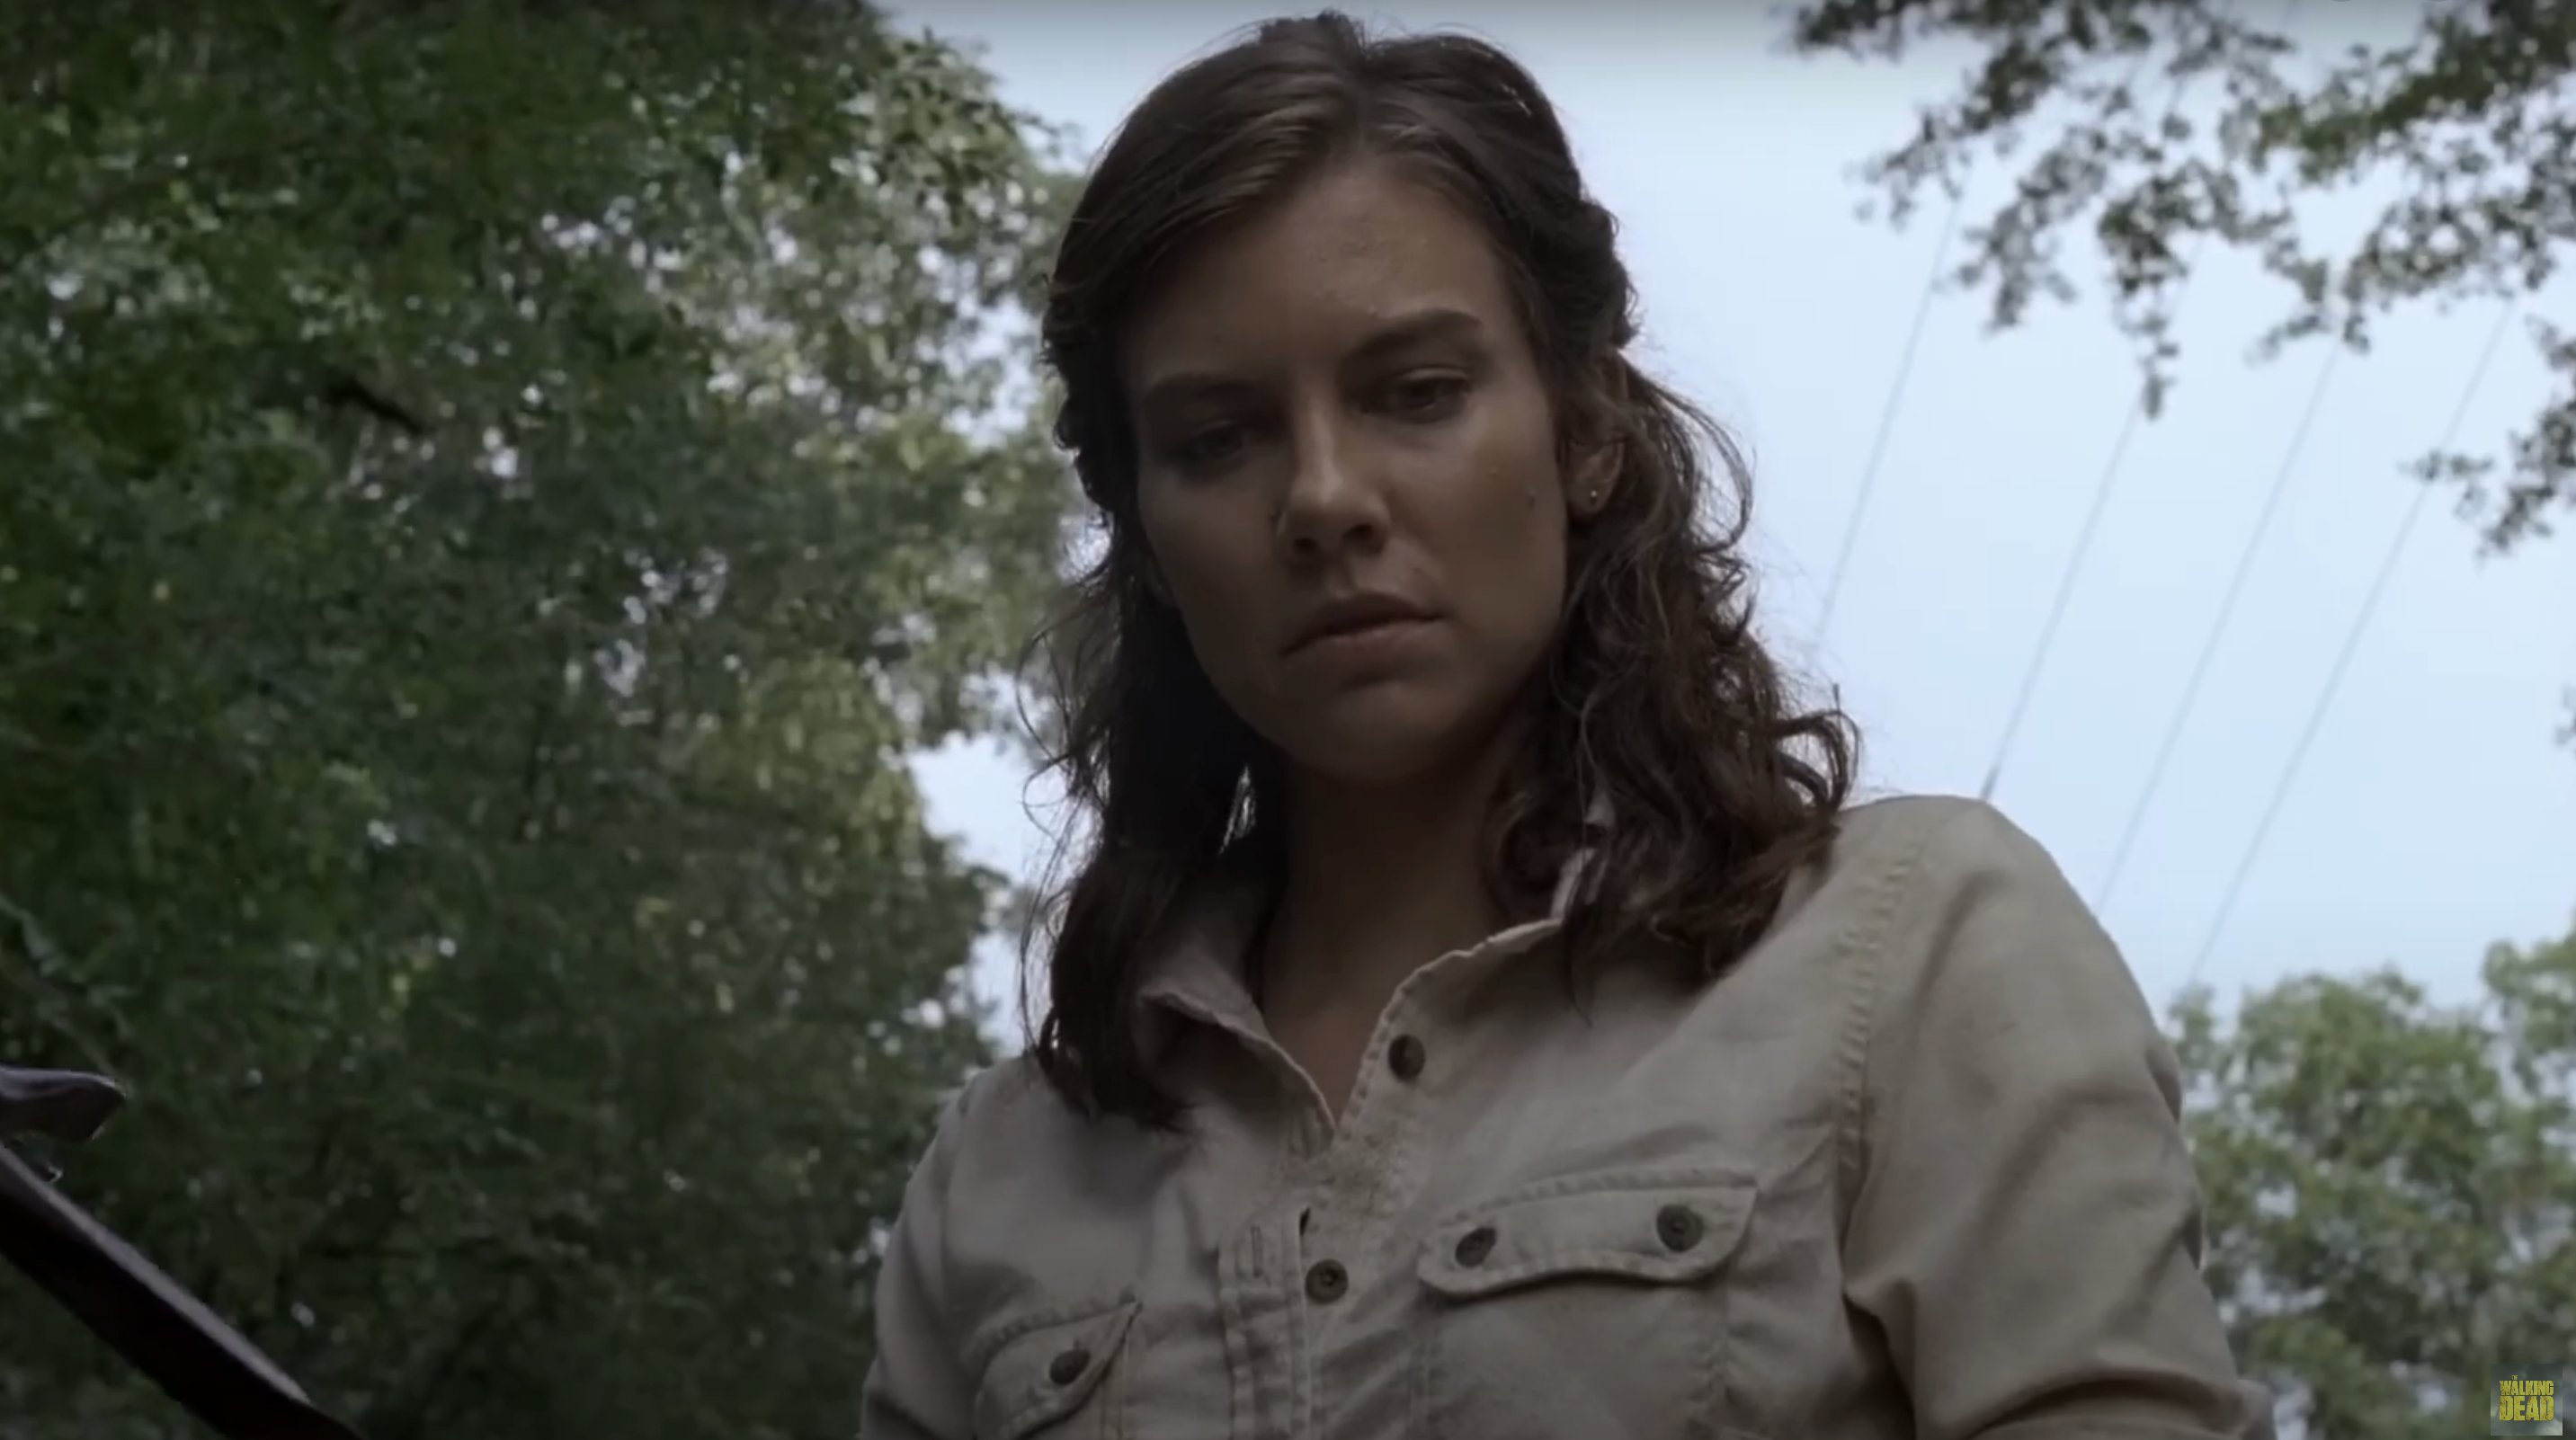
(1479, 1012)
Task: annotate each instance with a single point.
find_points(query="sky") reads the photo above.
(2435, 812)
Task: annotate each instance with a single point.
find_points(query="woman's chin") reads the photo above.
(1386, 739)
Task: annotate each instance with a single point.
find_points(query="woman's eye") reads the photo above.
(1425, 397)
(1210, 447)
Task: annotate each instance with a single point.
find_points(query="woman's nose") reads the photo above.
(1332, 503)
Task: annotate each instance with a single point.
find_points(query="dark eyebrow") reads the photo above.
(1420, 328)
(1173, 391)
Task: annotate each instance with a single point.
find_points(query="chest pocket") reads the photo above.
(1058, 1375)
(1590, 1305)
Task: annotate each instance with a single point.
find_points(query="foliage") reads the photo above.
(490, 495)
(2392, 1189)
(2469, 122)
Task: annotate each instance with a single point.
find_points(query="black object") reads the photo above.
(124, 1299)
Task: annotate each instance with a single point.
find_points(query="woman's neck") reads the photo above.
(1381, 879)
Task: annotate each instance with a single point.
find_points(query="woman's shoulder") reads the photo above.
(1952, 902)
(1912, 829)
(1006, 1106)
(1008, 1125)
(1911, 850)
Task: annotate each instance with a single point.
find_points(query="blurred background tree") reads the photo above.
(2392, 1188)
(490, 497)
(2392, 1180)
(2457, 126)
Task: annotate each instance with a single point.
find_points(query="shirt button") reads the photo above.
(1678, 1226)
(1475, 1245)
(1068, 1367)
(1405, 1057)
(1327, 1282)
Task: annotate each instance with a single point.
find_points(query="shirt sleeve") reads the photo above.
(916, 1388)
(2027, 1226)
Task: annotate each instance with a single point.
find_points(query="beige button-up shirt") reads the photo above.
(1913, 1168)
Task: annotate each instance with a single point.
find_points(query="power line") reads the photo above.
(2076, 559)
(1867, 494)
(2343, 658)
(1887, 416)
(2218, 627)
(2084, 536)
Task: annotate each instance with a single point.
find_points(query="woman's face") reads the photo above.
(1348, 475)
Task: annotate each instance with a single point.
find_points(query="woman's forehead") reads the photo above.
(1359, 260)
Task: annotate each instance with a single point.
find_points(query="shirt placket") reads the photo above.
(1358, 1179)
(1290, 1273)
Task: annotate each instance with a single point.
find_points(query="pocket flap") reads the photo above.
(1661, 1225)
(1046, 1367)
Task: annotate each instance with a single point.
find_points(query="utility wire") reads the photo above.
(2075, 560)
(2343, 658)
(1887, 416)
(2218, 627)
(1867, 494)
(2084, 537)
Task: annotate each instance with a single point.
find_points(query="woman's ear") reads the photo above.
(1600, 450)
(1592, 477)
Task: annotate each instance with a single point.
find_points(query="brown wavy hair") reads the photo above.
(1657, 698)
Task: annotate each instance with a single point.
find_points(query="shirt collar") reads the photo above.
(1197, 969)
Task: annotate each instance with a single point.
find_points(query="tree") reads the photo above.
(2472, 118)
(2392, 1188)
(490, 497)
